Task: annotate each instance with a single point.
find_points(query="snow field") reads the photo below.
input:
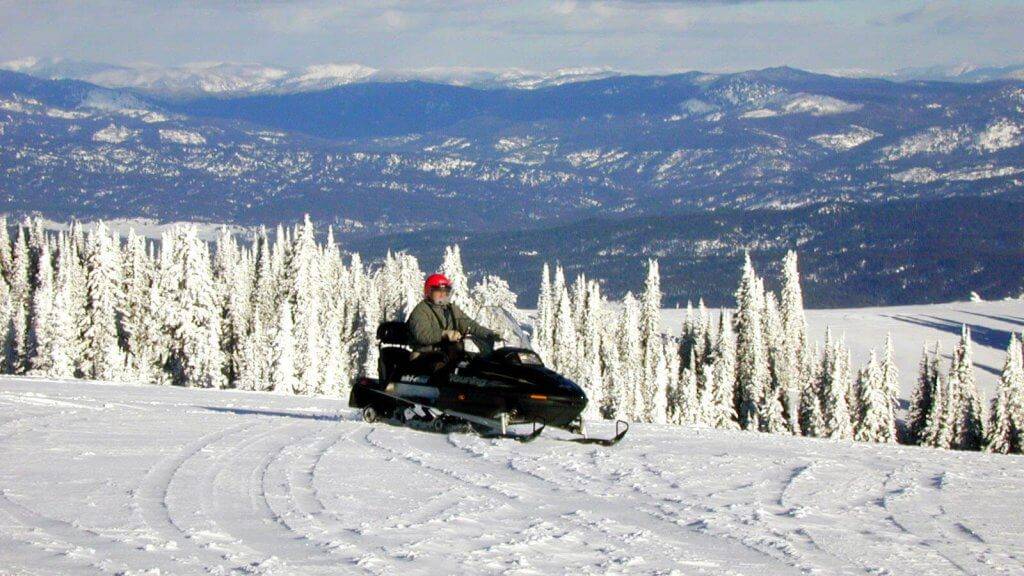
(122, 479)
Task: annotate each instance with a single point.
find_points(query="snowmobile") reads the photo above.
(489, 391)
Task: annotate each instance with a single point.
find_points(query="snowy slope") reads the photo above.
(99, 478)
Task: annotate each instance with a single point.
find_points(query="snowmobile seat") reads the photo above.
(394, 350)
(393, 333)
(392, 362)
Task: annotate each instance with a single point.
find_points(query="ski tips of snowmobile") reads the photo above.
(621, 427)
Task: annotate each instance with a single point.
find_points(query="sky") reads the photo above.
(627, 35)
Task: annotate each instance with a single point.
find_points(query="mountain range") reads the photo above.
(380, 156)
(238, 79)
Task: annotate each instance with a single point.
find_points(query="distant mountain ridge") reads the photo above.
(232, 79)
(376, 157)
(383, 161)
(239, 79)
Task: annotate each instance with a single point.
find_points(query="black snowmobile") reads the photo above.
(488, 392)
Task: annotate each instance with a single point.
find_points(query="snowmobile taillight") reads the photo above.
(538, 397)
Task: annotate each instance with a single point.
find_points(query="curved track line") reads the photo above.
(149, 501)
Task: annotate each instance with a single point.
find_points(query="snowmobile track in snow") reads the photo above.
(100, 478)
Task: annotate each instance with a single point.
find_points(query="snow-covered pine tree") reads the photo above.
(104, 359)
(6, 327)
(849, 378)
(702, 337)
(335, 379)
(631, 358)
(935, 430)
(794, 323)
(306, 291)
(752, 373)
(59, 344)
(657, 410)
(337, 328)
(20, 303)
(226, 268)
(967, 424)
(612, 374)
(593, 377)
(890, 376)
(706, 393)
(412, 282)
(650, 340)
(673, 365)
(812, 418)
(72, 274)
(687, 342)
(724, 381)
(922, 400)
(452, 267)
(283, 379)
(834, 387)
(195, 356)
(6, 257)
(491, 294)
(687, 397)
(252, 359)
(541, 338)
(564, 339)
(773, 415)
(1006, 428)
(140, 326)
(41, 330)
(875, 420)
(369, 319)
(578, 300)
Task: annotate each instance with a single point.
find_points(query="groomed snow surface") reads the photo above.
(121, 479)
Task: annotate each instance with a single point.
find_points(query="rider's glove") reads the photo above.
(451, 335)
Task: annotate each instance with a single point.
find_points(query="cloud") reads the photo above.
(632, 35)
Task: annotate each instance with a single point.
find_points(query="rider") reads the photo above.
(436, 327)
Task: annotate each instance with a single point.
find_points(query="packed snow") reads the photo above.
(123, 479)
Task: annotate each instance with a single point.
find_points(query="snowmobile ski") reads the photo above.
(621, 427)
(522, 438)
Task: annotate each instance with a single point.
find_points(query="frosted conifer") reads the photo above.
(1006, 429)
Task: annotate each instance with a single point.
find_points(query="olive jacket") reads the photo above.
(428, 321)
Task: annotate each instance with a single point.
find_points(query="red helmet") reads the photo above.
(436, 281)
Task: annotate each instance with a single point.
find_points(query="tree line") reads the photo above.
(755, 369)
(286, 312)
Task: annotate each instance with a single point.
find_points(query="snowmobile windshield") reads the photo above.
(503, 322)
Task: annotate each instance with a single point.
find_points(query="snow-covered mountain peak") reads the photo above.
(320, 76)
